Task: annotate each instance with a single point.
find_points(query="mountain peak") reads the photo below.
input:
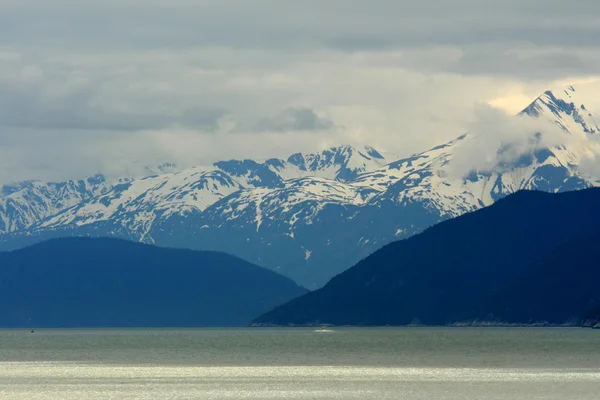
(341, 163)
(374, 153)
(566, 108)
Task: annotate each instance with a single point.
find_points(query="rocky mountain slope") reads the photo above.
(312, 216)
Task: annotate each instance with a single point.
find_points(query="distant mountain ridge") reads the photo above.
(85, 282)
(24, 204)
(528, 259)
(311, 216)
(29, 203)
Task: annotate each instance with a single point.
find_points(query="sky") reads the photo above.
(112, 86)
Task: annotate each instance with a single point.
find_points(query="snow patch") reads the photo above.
(307, 254)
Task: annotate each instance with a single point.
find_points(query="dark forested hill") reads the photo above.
(530, 257)
(83, 282)
(592, 318)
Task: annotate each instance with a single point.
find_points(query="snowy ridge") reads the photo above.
(295, 200)
(342, 163)
(310, 216)
(138, 204)
(189, 190)
(565, 109)
(27, 203)
(24, 204)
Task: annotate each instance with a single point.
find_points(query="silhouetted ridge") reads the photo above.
(592, 318)
(506, 263)
(82, 282)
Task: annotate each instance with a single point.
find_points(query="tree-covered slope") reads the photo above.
(512, 261)
(82, 282)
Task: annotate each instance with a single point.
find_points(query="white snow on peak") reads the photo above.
(567, 108)
(340, 163)
(138, 204)
(24, 204)
(295, 200)
(141, 201)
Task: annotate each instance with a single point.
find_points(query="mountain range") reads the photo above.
(528, 259)
(310, 216)
(103, 282)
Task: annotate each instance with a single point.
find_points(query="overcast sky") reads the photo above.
(89, 85)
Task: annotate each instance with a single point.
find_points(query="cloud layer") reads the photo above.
(108, 85)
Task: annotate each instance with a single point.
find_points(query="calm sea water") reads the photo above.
(412, 363)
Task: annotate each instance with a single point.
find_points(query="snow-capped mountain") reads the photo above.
(26, 203)
(165, 190)
(138, 204)
(565, 109)
(133, 208)
(312, 216)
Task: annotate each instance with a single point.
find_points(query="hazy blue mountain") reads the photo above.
(529, 257)
(83, 282)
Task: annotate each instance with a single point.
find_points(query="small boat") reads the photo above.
(323, 329)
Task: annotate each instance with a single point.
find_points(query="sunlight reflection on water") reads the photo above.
(299, 364)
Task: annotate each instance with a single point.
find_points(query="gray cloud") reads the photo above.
(272, 24)
(31, 105)
(294, 120)
(527, 63)
(123, 80)
(497, 139)
(207, 119)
